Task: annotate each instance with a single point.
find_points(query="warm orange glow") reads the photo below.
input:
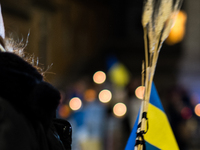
(197, 110)
(99, 77)
(139, 92)
(105, 96)
(75, 103)
(178, 30)
(64, 111)
(119, 109)
(90, 95)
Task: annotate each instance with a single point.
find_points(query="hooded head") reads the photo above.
(23, 86)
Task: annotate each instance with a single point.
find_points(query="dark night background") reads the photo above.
(80, 37)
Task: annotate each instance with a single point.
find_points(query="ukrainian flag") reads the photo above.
(159, 135)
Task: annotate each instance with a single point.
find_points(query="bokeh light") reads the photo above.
(64, 111)
(178, 30)
(75, 103)
(139, 92)
(105, 96)
(119, 109)
(119, 75)
(90, 95)
(99, 77)
(197, 110)
(186, 113)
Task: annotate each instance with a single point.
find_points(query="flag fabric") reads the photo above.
(159, 135)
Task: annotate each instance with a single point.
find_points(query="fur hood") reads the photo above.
(23, 86)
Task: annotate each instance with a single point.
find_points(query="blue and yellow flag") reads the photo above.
(159, 135)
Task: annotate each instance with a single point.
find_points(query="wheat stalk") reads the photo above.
(157, 19)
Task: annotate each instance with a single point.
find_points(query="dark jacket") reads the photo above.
(27, 109)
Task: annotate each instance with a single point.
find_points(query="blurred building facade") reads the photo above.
(65, 33)
(75, 34)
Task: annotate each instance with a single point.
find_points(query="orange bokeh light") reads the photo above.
(197, 110)
(64, 111)
(105, 96)
(178, 30)
(75, 103)
(90, 95)
(99, 77)
(119, 109)
(139, 92)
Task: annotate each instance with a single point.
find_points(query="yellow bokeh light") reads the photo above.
(105, 96)
(75, 103)
(139, 92)
(90, 95)
(197, 110)
(119, 109)
(99, 77)
(119, 75)
(64, 111)
(178, 30)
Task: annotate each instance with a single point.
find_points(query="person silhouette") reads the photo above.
(28, 105)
